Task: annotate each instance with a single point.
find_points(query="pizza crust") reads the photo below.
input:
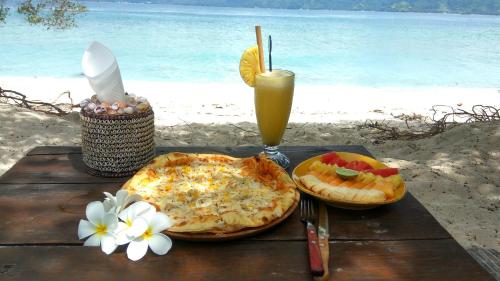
(213, 193)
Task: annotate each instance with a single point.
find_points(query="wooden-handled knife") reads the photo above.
(323, 235)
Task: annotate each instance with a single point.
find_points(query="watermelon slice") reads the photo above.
(333, 158)
(385, 172)
(358, 165)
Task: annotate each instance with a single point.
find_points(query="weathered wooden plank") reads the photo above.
(53, 150)
(64, 165)
(406, 219)
(404, 260)
(45, 213)
(49, 213)
(487, 258)
(442, 260)
(57, 168)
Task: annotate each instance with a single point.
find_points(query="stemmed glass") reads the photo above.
(273, 103)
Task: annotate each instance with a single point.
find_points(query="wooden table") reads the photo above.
(44, 195)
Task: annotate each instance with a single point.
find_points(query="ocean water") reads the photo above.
(201, 44)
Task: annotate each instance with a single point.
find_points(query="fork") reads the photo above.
(307, 216)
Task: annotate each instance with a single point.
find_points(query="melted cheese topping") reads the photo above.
(201, 191)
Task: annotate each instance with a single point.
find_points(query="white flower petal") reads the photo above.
(121, 197)
(137, 249)
(109, 196)
(138, 227)
(134, 198)
(121, 227)
(160, 243)
(124, 214)
(85, 228)
(121, 234)
(93, 241)
(122, 238)
(160, 222)
(108, 205)
(108, 244)
(147, 211)
(95, 212)
(110, 221)
(138, 208)
(141, 208)
(131, 211)
(131, 198)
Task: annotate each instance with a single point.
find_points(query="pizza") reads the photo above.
(212, 193)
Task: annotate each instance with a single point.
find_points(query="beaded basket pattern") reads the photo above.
(117, 145)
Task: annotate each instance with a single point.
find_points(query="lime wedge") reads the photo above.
(346, 174)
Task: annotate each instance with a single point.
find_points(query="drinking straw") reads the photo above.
(270, 47)
(261, 50)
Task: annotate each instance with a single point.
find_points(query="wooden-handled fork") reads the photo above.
(307, 215)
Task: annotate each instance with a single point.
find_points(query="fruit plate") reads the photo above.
(246, 232)
(303, 168)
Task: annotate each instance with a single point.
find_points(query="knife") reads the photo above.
(323, 235)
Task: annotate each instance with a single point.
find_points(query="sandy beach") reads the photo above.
(178, 103)
(456, 174)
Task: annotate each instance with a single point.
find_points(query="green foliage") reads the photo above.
(58, 14)
(4, 11)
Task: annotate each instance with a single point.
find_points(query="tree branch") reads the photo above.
(443, 117)
(59, 14)
(18, 99)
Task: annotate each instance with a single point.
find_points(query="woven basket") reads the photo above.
(117, 145)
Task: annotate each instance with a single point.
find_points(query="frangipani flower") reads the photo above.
(100, 227)
(140, 225)
(117, 204)
(135, 221)
(159, 243)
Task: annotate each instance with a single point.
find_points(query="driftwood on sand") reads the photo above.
(54, 108)
(443, 117)
(416, 126)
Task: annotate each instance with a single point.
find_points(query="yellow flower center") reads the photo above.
(128, 222)
(101, 229)
(148, 233)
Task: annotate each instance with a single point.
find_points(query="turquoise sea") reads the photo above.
(202, 44)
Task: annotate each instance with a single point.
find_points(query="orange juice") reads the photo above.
(273, 102)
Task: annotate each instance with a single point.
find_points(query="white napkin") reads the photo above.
(101, 69)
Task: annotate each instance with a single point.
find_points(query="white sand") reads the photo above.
(177, 103)
(456, 175)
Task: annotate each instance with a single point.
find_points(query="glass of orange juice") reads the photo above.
(273, 103)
